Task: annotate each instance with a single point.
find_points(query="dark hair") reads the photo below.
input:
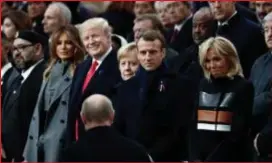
(72, 34)
(156, 23)
(19, 18)
(152, 35)
(121, 6)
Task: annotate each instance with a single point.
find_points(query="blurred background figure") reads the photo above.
(262, 8)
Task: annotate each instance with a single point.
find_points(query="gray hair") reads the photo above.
(97, 108)
(64, 11)
(95, 23)
(268, 17)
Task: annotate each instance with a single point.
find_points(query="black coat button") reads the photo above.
(63, 102)
(31, 137)
(62, 121)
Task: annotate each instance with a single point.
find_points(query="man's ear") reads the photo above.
(38, 49)
(112, 117)
(83, 118)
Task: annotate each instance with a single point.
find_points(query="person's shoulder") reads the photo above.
(262, 58)
(243, 83)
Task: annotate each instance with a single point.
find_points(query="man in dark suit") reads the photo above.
(180, 36)
(154, 107)
(187, 63)
(99, 73)
(246, 36)
(261, 78)
(101, 142)
(22, 95)
(35, 11)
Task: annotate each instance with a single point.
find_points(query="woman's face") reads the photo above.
(9, 28)
(65, 48)
(216, 65)
(128, 66)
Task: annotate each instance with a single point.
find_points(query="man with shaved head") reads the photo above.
(101, 142)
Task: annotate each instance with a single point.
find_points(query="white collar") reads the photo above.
(5, 68)
(180, 25)
(227, 21)
(101, 59)
(26, 73)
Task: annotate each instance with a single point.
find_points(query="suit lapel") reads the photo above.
(105, 65)
(63, 85)
(81, 76)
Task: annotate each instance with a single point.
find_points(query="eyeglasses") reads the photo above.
(20, 48)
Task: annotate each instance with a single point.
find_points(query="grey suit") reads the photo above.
(46, 132)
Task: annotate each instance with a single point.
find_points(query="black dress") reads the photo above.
(222, 120)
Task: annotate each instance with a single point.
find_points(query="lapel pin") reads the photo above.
(161, 87)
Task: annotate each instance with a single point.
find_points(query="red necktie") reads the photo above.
(86, 82)
(174, 35)
(89, 75)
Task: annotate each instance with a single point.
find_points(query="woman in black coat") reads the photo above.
(224, 106)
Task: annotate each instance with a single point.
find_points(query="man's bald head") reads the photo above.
(97, 108)
(203, 25)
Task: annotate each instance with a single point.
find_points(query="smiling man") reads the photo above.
(99, 73)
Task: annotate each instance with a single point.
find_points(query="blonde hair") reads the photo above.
(222, 47)
(127, 50)
(95, 23)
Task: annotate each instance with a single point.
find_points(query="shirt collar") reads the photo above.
(227, 21)
(101, 59)
(26, 73)
(5, 69)
(180, 25)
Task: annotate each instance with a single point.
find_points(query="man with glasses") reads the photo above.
(20, 99)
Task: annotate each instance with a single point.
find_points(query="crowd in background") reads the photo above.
(136, 81)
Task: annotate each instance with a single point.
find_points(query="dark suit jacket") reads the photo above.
(261, 77)
(103, 82)
(184, 38)
(154, 109)
(187, 64)
(107, 145)
(17, 112)
(264, 142)
(248, 39)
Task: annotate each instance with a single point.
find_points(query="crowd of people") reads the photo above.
(161, 81)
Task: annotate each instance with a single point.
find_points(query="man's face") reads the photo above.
(96, 42)
(23, 52)
(142, 7)
(178, 11)
(268, 34)
(222, 10)
(52, 20)
(9, 28)
(164, 16)
(202, 29)
(5, 50)
(35, 9)
(140, 27)
(150, 54)
(263, 8)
